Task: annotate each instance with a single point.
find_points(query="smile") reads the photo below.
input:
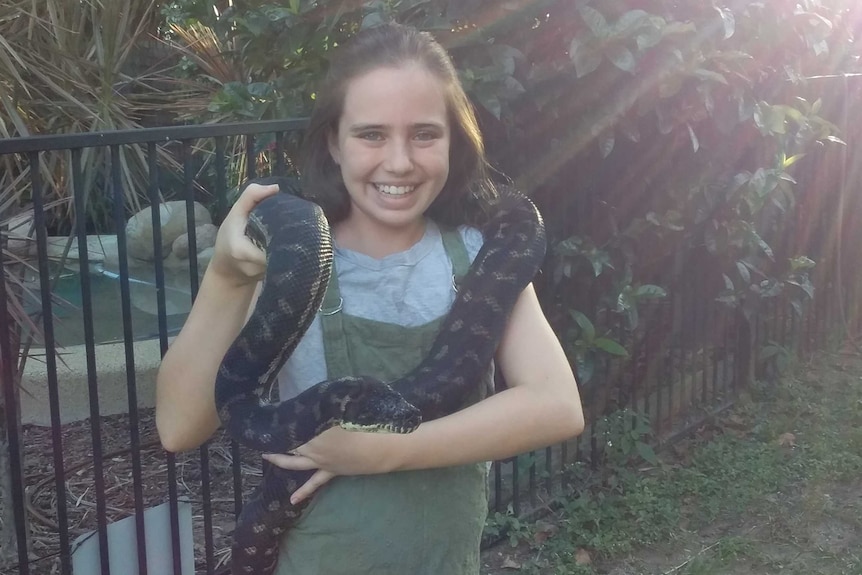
(394, 190)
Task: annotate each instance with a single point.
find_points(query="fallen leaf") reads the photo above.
(509, 563)
(735, 420)
(544, 530)
(787, 440)
(582, 557)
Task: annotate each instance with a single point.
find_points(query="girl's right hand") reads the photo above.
(236, 258)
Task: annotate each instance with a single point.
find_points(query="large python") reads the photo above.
(295, 236)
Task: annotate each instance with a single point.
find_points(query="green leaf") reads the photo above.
(728, 20)
(585, 58)
(371, 20)
(743, 272)
(610, 346)
(763, 245)
(629, 21)
(791, 160)
(259, 89)
(647, 453)
(801, 263)
(695, 144)
(606, 146)
(650, 291)
(621, 57)
(650, 36)
(586, 367)
(704, 74)
(588, 330)
(805, 285)
(595, 21)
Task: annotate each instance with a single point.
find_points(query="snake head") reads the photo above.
(371, 405)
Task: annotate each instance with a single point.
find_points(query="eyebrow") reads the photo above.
(357, 128)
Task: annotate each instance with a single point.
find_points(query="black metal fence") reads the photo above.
(75, 474)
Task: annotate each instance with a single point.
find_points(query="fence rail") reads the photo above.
(687, 360)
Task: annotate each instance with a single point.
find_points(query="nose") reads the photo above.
(399, 156)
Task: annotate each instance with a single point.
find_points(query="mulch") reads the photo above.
(118, 477)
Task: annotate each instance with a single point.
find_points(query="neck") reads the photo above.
(375, 240)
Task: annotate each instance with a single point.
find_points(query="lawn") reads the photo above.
(772, 486)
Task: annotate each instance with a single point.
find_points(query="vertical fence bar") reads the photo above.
(532, 478)
(250, 157)
(516, 486)
(279, 154)
(194, 284)
(128, 345)
(170, 458)
(10, 404)
(80, 198)
(221, 201)
(498, 486)
(221, 179)
(50, 362)
(703, 339)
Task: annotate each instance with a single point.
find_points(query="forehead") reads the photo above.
(405, 95)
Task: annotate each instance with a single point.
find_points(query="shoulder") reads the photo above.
(472, 239)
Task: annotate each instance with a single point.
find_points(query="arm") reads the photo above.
(185, 385)
(540, 407)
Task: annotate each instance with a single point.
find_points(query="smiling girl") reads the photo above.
(394, 156)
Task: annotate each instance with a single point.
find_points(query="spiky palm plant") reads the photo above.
(64, 68)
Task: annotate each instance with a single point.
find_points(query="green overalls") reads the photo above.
(426, 522)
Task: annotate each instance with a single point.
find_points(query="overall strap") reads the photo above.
(457, 253)
(335, 350)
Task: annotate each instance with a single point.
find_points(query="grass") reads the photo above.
(771, 487)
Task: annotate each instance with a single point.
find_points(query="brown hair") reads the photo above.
(393, 45)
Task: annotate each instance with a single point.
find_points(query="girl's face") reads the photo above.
(392, 146)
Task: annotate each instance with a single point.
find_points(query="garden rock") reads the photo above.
(205, 236)
(172, 215)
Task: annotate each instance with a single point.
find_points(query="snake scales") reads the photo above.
(295, 236)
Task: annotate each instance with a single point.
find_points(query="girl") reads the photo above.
(394, 156)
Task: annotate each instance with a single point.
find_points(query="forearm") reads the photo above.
(514, 421)
(185, 407)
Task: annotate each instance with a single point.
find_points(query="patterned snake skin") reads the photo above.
(295, 236)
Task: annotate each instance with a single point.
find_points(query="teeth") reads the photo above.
(395, 190)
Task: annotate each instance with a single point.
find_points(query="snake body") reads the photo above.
(295, 236)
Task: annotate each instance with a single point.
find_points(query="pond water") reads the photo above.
(107, 305)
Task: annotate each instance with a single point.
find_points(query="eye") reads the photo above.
(426, 135)
(371, 135)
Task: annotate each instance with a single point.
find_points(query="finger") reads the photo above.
(315, 482)
(254, 193)
(291, 462)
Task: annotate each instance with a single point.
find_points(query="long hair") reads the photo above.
(468, 190)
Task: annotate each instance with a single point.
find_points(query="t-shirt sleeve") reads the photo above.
(473, 240)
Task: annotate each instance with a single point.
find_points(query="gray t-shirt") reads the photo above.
(403, 289)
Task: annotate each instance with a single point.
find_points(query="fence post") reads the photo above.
(744, 354)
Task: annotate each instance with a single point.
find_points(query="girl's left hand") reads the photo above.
(334, 452)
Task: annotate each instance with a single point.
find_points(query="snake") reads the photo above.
(295, 236)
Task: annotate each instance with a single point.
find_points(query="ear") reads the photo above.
(332, 143)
